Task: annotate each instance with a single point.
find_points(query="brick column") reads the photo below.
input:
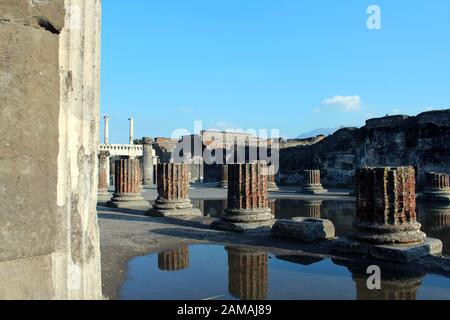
(127, 185)
(175, 260)
(247, 273)
(248, 206)
(311, 182)
(386, 206)
(173, 191)
(103, 176)
(224, 182)
(112, 172)
(437, 187)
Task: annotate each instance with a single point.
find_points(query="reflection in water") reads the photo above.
(247, 273)
(240, 272)
(395, 284)
(340, 212)
(303, 260)
(175, 260)
(273, 206)
(405, 289)
(435, 219)
(287, 208)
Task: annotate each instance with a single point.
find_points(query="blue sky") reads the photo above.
(293, 65)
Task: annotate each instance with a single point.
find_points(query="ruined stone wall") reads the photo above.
(422, 141)
(163, 148)
(49, 88)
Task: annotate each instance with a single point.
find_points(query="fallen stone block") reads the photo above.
(305, 229)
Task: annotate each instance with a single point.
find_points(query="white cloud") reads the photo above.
(396, 111)
(344, 103)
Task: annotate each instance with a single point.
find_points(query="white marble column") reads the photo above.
(131, 130)
(106, 130)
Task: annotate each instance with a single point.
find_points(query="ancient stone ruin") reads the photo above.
(420, 141)
(173, 192)
(248, 206)
(304, 229)
(147, 163)
(386, 206)
(103, 176)
(272, 184)
(174, 260)
(247, 273)
(386, 223)
(128, 185)
(437, 187)
(224, 180)
(311, 182)
(50, 90)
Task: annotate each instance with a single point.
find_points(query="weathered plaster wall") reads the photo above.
(49, 88)
(422, 141)
(29, 95)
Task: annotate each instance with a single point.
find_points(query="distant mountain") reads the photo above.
(314, 133)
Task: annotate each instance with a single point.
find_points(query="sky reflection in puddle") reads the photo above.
(235, 272)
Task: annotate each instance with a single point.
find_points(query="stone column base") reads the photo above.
(404, 253)
(245, 220)
(173, 208)
(388, 234)
(435, 196)
(148, 186)
(103, 197)
(313, 189)
(127, 201)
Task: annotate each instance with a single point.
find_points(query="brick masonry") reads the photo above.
(247, 273)
(127, 177)
(103, 171)
(174, 260)
(386, 206)
(173, 181)
(247, 186)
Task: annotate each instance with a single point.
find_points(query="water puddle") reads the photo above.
(227, 273)
(435, 218)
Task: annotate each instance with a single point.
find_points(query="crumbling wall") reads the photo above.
(422, 141)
